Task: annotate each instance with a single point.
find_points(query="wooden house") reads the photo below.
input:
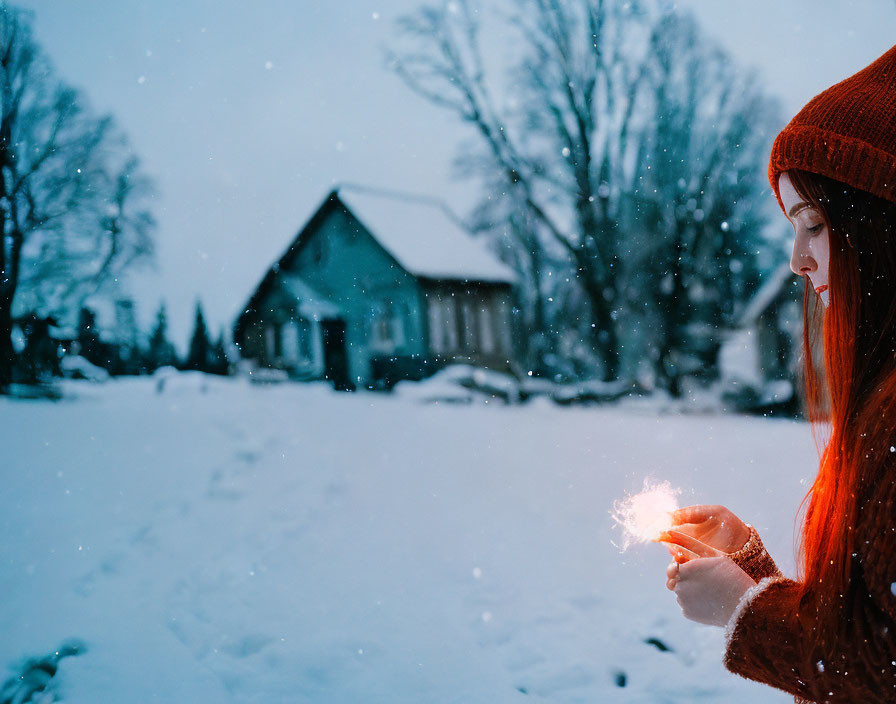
(762, 354)
(378, 287)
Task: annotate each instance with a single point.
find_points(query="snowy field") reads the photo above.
(229, 542)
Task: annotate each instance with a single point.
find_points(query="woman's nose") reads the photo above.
(801, 262)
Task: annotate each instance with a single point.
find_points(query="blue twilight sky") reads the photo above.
(246, 113)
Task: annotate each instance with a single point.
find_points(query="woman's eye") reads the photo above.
(816, 228)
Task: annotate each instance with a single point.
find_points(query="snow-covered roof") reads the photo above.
(311, 303)
(766, 294)
(423, 236)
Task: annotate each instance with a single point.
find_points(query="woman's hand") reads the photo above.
(708, 589)
(705, 531)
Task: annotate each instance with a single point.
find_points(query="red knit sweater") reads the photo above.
(763, 632)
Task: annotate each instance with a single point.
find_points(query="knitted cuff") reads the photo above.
(754, 559)
(742, 604)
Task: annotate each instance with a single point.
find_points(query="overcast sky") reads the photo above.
(246, 114)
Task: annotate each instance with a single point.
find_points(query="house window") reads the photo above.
(486, 331)
(379, 331)
(469, 323)
(435, 311)
(386, 330)
(272, 341)
(295, 341)
(449, 318)
(398, 315)
(289, 342)
(306, 353)
(503, 326)
(319, 249)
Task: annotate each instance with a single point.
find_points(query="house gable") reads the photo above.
(338, 255)
(292, 257)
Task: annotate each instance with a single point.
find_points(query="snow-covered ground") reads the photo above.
(229, 542)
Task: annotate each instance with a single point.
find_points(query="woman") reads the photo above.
(831, 635)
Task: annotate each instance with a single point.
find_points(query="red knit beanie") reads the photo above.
(847, 133)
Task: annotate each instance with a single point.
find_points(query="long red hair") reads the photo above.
(853, 398)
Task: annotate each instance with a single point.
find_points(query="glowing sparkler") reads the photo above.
(645, 515)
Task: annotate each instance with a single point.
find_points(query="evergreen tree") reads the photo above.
(161, 352)
(199, 356)
(220, 363)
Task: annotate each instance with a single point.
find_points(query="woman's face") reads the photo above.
(810, 244)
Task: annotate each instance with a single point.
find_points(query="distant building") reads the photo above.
(102, 330)
(762, 354)
(377, 288)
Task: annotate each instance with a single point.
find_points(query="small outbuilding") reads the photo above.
(761, 356)
(378, 287)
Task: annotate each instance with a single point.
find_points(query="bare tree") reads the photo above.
(572, 159)
(545, 152)
(73, 211)
(700, 181)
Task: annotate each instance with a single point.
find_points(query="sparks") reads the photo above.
(644, 516)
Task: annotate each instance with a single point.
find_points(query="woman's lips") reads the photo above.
(822, 288)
